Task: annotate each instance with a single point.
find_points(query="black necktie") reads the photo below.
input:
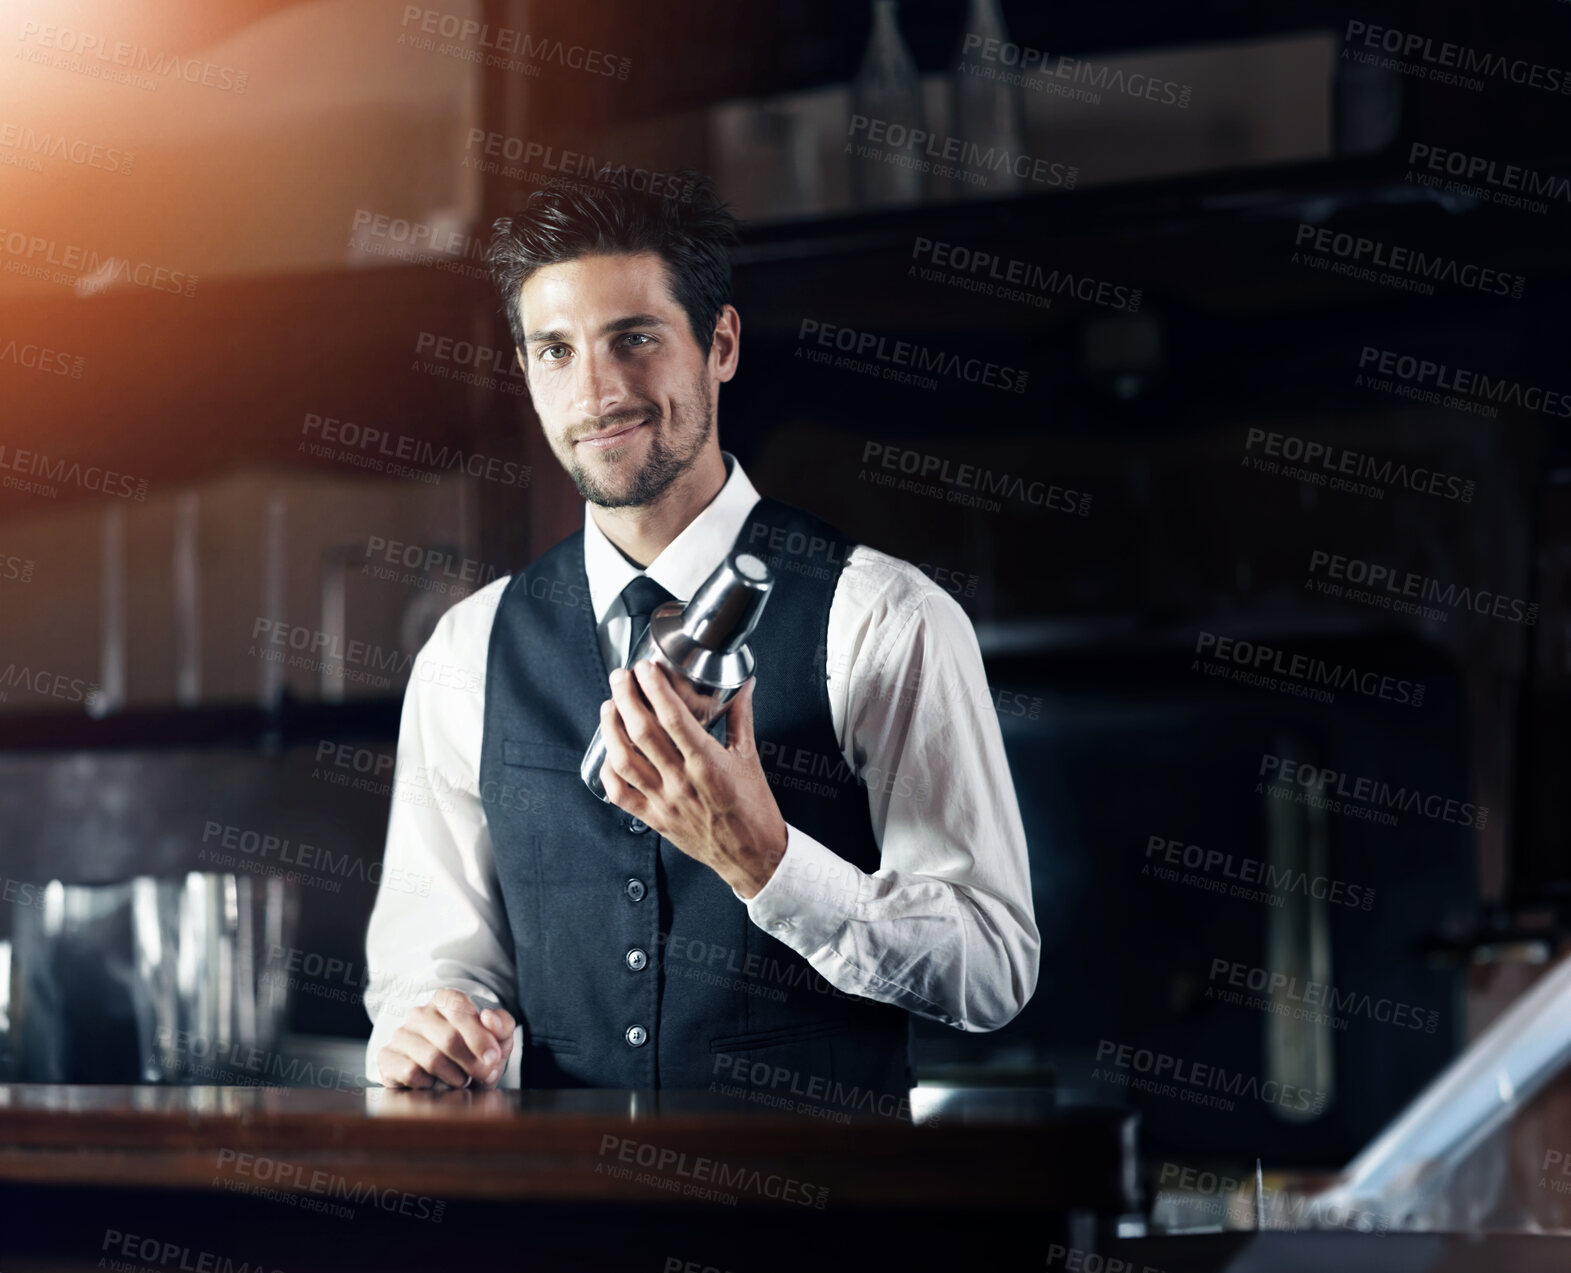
(641, 597)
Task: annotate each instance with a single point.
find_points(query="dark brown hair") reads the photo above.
(566, 219)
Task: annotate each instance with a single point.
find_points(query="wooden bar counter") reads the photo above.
(215, 1178)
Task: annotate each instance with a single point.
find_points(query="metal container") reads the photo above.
(703, 644)
(150, 979)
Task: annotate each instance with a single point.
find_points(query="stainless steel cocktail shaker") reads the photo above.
(703, 643)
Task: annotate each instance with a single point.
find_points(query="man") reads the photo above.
(849, 855)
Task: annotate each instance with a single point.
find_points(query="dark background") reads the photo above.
(1089, 624)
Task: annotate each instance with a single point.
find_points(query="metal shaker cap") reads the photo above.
(724, 611)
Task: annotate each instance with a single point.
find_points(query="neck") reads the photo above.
(642, 533)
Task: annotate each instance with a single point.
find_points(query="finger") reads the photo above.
(398, 1070)
(504, 1036)
(625, 797)
(623, 794)
(645, 731)
(430, 1058)
(739, 720)
(463, 1012)
(500, 1022)
(671, 713)
(622, 757)
(479, 1043)
(501, 1045)
(451, 1031)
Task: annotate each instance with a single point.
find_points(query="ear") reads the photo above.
(726, 351)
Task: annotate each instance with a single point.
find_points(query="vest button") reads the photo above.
(636, 1036)
(636, 959)
(638, 826)
(636, 890)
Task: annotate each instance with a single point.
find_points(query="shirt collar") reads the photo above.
(687, 560)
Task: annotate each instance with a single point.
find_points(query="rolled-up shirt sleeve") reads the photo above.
(439, 919)
(945, 927)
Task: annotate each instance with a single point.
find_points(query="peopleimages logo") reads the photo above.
(204, 1057)
(1443, 60)
(1432, 379)
(1505, 184)
(1338, 468)
(1556, 1161)
(970, 484)
(1076, 1259)
(822, 774)
(426, 568)
(1009, 278)
(69, 689)
(1318, 1002)
(69, 264)
(53, 145)
(1164, 857)
(938, 151)
(420, 235)
(692, 1174)
(1038, 70)
(49, 362)
(1408, 269)
(514, 157)
(93, 476)
(262, 847)
(18, 568)
(90, 52)
(466, 363)
(491, 45)
(151, 1251)
(1391, 587)
(320, 649)
(294, 1179)
(400, 455)
(1253, 663)
(1330, 788)
(1163, 1074)
(888, 357)
(813, 1090)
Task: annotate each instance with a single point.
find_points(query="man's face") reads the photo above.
(622, 390)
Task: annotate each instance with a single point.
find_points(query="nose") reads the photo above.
(599, 387)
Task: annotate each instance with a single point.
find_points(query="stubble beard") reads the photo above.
(670, 455)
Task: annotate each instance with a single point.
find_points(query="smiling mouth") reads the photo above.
(613, 438)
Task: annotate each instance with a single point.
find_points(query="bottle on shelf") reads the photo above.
(988, 113)
(887, 93)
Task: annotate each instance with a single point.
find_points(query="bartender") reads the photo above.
(849, 856)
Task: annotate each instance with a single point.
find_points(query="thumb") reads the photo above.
(500, 1022)
(739, 719)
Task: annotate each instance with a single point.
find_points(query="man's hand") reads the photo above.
(662, 766)
(448, 1040)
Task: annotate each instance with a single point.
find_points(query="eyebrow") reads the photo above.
(610, 329)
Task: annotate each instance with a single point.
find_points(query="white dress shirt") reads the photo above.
(944, 928)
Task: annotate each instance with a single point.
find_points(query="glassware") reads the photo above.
(988, 111)
(886, 104)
